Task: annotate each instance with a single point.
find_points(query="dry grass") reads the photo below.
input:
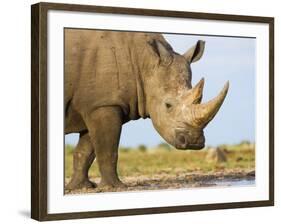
(158, 161)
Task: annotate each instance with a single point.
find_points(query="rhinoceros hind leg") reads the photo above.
(83, 158)
(104, 125)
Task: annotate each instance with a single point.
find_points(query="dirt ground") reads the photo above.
(166, 168)
(171, 181)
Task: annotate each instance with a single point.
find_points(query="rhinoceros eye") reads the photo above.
(168, 105)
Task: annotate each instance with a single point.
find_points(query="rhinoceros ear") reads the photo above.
(164, 53)
(196, 52)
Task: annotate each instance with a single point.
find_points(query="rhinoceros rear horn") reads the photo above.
(202, 114)
(197, 92)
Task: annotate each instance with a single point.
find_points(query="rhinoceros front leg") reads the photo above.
(83, 158)
(104, 125)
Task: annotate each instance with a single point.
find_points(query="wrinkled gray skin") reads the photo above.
(114, 77)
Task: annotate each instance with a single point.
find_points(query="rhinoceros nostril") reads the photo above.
(181, 139)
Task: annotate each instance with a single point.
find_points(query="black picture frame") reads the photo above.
(39, 107)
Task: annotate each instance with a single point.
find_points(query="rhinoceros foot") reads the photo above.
(75, 185)
(113, 184)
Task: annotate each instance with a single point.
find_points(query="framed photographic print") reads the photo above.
(138, 111)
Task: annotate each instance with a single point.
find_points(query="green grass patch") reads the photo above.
(149, 162)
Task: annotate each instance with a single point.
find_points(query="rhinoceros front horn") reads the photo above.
(201, 114)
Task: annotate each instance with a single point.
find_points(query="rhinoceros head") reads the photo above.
(175, 106)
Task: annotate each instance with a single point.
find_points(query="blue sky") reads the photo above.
(225, 58)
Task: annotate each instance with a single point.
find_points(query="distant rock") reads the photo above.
(217, 155)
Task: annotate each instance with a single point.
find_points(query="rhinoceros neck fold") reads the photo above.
(144, 63)
(141, 101)
(141, 61)
(136, 56)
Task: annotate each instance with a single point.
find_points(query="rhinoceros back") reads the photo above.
(102, 68)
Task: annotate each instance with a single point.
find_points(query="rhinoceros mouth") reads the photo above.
(191, 147)
(189, 139)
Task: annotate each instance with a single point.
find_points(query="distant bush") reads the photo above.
(245, 142)
(142, 148)
(124, 149)
(165, 146)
